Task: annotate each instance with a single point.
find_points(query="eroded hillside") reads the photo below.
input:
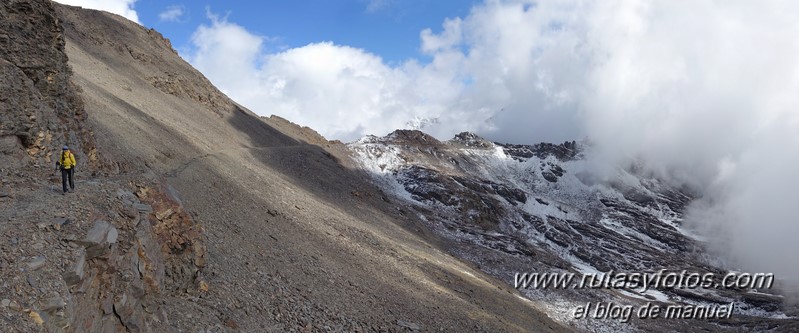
(191, 213)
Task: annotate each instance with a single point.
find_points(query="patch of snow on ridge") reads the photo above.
(510, 208)
(382, 161)
(617, 227)
(378, 158)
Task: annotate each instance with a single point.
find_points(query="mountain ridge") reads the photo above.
(511, 208)
(194, 214)
(198, 215)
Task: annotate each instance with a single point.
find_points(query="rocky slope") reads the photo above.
(540, 208)
(192, 213)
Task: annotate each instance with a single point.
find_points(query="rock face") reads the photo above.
(513, 208)
(40, 107)
(145, 268)
(99, 240)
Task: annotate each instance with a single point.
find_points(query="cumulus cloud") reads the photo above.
(340, 91)
(173, 13)
(702, 93)
(120, 7)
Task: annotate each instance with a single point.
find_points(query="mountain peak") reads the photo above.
(414, 137)
(470, 139)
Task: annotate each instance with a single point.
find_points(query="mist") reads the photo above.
(702, 93)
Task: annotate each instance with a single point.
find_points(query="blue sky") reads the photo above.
(386, 28)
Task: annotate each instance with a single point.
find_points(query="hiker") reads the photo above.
(67, 166)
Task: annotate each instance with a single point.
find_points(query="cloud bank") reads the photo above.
(704, 93)
(120, 7)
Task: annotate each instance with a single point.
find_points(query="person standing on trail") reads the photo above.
(67, 165)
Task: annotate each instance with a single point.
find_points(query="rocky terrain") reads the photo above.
(192, 214)
(511, 208)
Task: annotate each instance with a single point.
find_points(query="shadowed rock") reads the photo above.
(75, 273)
(99, 239)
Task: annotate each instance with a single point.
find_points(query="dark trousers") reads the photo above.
(67, 174)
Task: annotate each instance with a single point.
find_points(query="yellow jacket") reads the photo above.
(67, 160)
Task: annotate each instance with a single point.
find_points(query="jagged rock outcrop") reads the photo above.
(469, 139)
(412, 137)
(40, 107)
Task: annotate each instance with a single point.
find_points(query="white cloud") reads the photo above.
(120, 7)
(340, 91)
(376, 5)
(704, 93)
(452, 36)
(172, 13)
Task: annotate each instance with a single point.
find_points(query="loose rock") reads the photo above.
(53, 304)
(36, 263)
(409, 325)
(14, 306)
(143, 208)
(99, 239)
(57, 223)
(75, 273)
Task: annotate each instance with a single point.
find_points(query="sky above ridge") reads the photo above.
(389, 28)
(703, 92)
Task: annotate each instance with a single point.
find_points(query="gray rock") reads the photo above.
(5, 302)
(14, 306)
(112, 236)
(143, 208)
(125, 195)
(409, 325)
(36, 263)
(53, 304)
(128, 310)
(32, 281)
(57, 223)
(97, 251)
(75, 273)
(61, 221)
(99, 239)
(110, 324)
(107, 304)
(129, 211)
